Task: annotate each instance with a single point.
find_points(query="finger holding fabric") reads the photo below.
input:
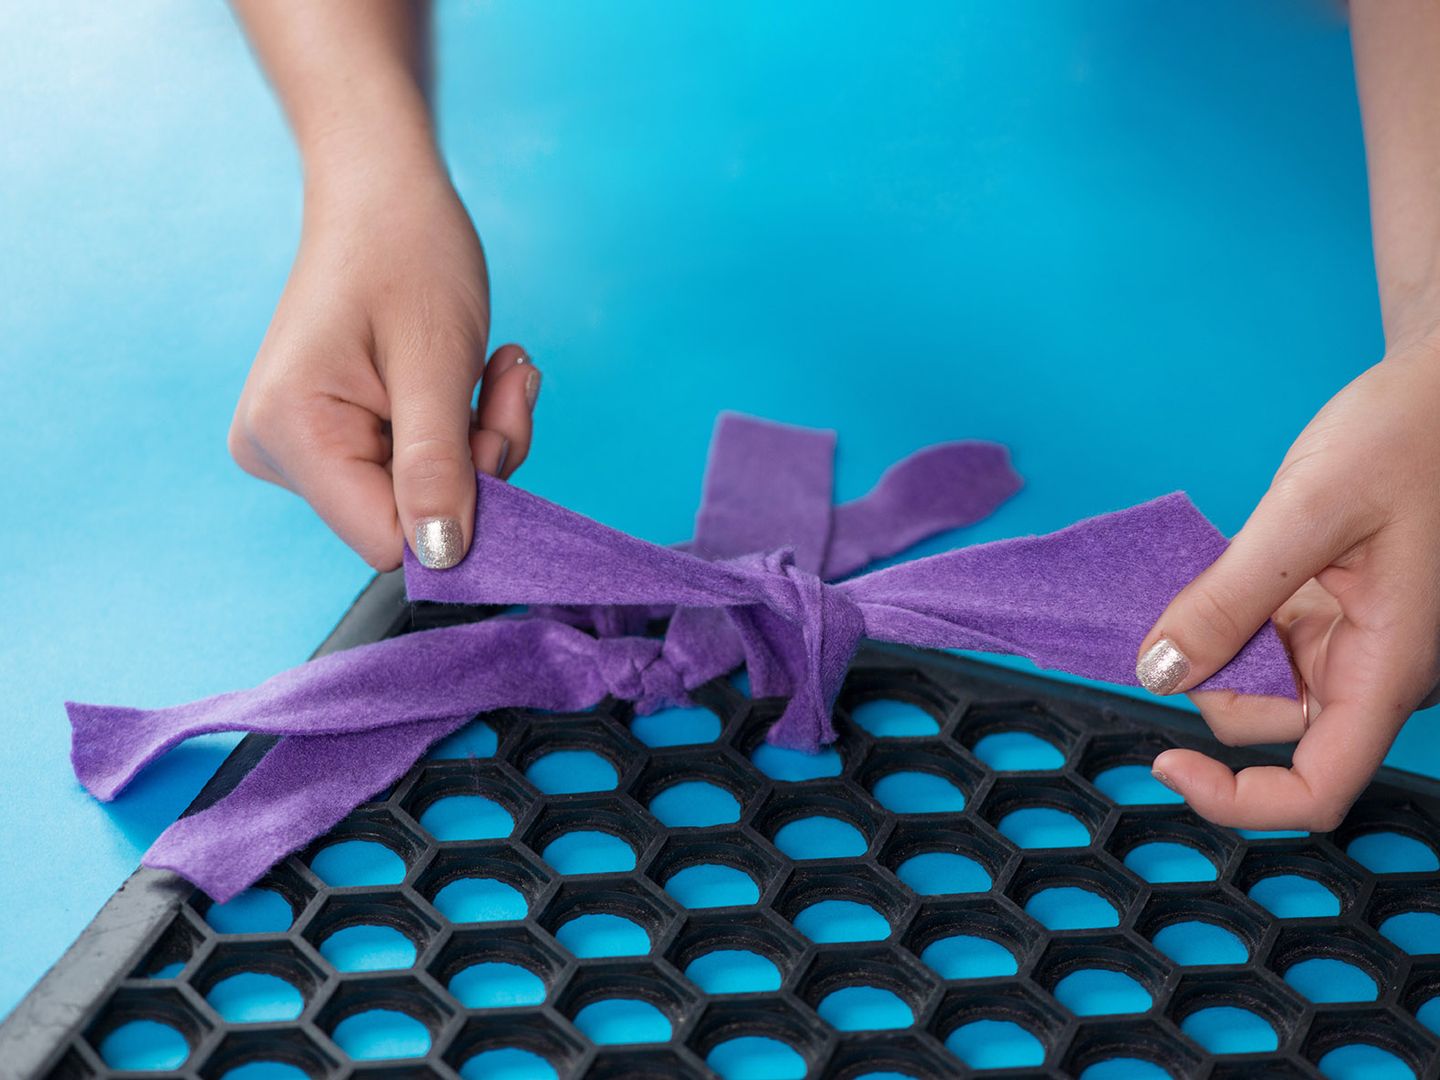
(1354, 517)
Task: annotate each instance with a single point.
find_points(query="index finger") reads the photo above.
(1333, 761)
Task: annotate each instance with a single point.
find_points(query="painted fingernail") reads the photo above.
(439, 543)
(532, 387)
(1162, 668)
(1158, 775)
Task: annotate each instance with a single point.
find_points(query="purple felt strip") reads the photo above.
(1080, 600)
(767, 486)
(932, 491)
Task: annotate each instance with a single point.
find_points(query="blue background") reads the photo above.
(1129, 240)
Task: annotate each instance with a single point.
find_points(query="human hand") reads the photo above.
(1344, 551)
(359, 399)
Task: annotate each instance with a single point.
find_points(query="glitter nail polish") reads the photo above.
(1162, 668)
(439, 543)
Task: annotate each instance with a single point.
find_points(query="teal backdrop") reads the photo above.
(1127, 239)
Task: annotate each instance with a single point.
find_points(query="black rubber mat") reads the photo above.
(169, 957)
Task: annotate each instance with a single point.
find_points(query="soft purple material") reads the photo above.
(353, 722)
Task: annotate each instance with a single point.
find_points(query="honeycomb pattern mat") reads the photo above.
(981, 874)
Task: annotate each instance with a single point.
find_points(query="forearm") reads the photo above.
(1397, 72)
(352, 76)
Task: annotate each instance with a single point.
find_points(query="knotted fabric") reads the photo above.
(750, 588)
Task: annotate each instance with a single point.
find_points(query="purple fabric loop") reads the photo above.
(354, 722)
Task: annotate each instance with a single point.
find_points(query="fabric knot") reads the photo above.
(798, 644)
(635, 669)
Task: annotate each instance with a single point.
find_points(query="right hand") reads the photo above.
(359, 399)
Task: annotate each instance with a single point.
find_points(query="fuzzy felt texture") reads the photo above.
(749, 588)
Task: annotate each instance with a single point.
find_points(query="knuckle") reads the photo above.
(1211, 608)
(432, 462)
(1325, 819)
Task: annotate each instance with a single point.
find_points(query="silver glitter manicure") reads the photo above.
(439, 543)
(1163, 667)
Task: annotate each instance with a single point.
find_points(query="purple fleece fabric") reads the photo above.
(353, 722)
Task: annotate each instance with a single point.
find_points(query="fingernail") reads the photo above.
(532, 387)
(504, 457)
(1158, 775)
(438, 543)
(1162, 668)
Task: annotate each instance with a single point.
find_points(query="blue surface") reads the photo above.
(1102, 233)
(733, 971)
(368, 948)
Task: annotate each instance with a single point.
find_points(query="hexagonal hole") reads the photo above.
(1237, 1012)
(1336, 964)
(889, 1054)
(1166, 847)
(1041, 814)
(1019, 736)
(1072, 892)
(791, 766)
(268, 1046)
(1135, 1047)
(1421, 993)
(590, 836)
(1389, 838)
(561, 757)
(944, 860)
(705, 790)
(609, 918)
(1118, 766)
(376, 931)
(1101, 976)
(1202, 927)
(474, 801)
(745, 953)
(827, 820)
(714, 869)
(249, 982)
(1004, 1025)
(1298, 881)
(1407, 917)
(677, 725)
(498, 968)
(1366, 1042)
(759, 1037)
(369, 848)
(625, 1002)
(482, 883)
(270, 906)
(477, 739)
(891, 705)
(519, 1043)
(928, 779)
(868, 988)
(977, 938)
(167, 958)
(149, 1028)
(843, 904)
(378, 1018)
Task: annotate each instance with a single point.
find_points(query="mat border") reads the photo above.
(34, 1037)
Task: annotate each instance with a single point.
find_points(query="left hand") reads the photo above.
(1344, 552)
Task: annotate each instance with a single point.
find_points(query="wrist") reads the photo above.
(360, 167)
(375, 142)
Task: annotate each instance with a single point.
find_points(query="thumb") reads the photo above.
(434, 474)
(1283, 545)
